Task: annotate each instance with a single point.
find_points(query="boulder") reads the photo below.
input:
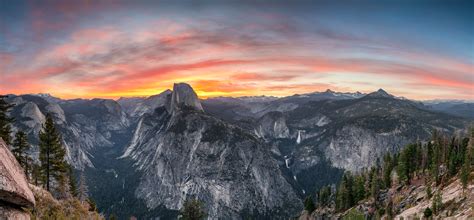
(14, 190)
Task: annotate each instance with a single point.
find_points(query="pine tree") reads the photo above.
(5, 120)
(193, 210)
(345, 192)
(403, 167)
(387, 171)
(19, 149)
(429, 156)
(375, 187)
(454, 156)
(83, 190)
(465, 175)
(36, 174)
(437, 203)
(72, 181)
(359, 188)
(324, 196)
(64, 191)
(466, 163)
(436, 162)
(92, 204)
(53, 165)
(309, 204)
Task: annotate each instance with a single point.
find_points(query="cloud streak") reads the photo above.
(261, 54)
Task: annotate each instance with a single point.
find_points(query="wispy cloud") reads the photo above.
(262, 53)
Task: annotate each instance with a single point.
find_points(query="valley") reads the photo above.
(144, 157)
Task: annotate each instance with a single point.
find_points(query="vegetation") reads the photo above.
(309, 204)
(72, 182)
(83, 190)
(51, 156)
(20, 149)
(5, 120)
(354, 214)
(436, 161)
(47, 207)
(193, 209)
(52, 170)
(437, 203)
(427, 213)
(324, 196)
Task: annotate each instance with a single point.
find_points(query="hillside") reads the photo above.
(430, 180)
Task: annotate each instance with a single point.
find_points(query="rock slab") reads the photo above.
(14, 190)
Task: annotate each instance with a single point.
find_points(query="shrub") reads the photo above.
(427, 213)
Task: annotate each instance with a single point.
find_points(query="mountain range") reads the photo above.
(245, 157)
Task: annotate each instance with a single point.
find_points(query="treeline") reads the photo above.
(436, 161)
(51, 170)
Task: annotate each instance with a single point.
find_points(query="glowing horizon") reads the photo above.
(118, 49)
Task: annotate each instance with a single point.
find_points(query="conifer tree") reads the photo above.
(387, 171)
(436, 158)
(36, 174)
(53, 164)
(324, 196)
(309, 204)
(429, 156)
(359, 188)
(193, 210)
(466, 162)
(403, 167)
(72, 181)
(375, 187)
(437, 203)
(83, 191)
(345, 192)
(464, 175)
(5, 120)
(19, 149)
(435, 163)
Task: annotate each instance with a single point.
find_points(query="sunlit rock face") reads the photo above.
(14, 191)
(186, 153)
(184, 96)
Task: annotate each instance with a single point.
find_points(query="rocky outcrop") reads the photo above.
(188, 154)
(14, 191)
(184, 96)
(272, 125)
(354, 148)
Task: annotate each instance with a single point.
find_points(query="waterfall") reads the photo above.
(298, 140)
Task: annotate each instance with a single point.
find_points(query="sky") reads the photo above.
(109, 49)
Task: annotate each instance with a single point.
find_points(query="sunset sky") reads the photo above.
(85, 49)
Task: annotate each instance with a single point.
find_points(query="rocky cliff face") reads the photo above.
(352, 134)
(183, 96)
(136, 107)
(185, 153)
(339, 130)
(84, 124)
(14, 191)
(233, 153)
(272, 125)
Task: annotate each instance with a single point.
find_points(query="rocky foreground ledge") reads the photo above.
(14, 191)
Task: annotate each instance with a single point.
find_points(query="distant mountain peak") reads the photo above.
(380, 94)
(183, 95)
(329, 91)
